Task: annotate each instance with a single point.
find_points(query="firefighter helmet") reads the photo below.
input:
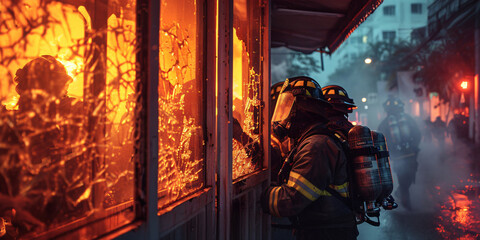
(393, 105)
(338, 97)
(43, 73)
(301, 94)
(274, 92)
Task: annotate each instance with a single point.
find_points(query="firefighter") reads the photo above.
(439, 132)
(279, 150)
(49, 123)
(315, 169)
(403, 137)
(342, 106)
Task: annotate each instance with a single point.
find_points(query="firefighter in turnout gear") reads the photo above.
(403, 137)
(340, 126)
(315, 171)
(342, 106)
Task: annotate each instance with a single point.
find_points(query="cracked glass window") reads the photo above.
(180, 98)
(68, 99)
(247, 77)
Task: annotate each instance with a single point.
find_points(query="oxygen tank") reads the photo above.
(364, 166)
(383, 165)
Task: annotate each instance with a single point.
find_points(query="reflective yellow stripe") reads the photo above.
(310, 191)
(305, 181)
(305, 187)
(301, 190)
(342, 189)
(273, 203)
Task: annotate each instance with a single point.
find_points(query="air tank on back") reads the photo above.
(383, 165)
(365, 167)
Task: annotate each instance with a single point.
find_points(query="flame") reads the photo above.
(181, 162)
(75, 68)
(246, 101)
(11, 103)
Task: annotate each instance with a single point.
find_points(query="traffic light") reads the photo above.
(464, 85)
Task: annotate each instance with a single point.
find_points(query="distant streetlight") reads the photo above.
(364, 99)
(368, 60)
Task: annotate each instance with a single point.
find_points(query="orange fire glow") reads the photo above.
(79, 155)
(181, 162)
(245, 101)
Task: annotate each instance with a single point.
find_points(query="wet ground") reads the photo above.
(445, 198)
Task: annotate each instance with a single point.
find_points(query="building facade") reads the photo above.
(393, 21)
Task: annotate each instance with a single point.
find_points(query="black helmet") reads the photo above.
(298, 94)
(338, 97)
(393, 105)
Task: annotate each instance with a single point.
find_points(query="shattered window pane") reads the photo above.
(181, 106)
(67, 94)
(247, 154)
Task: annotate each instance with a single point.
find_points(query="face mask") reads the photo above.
(280, 130)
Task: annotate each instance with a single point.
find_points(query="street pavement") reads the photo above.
(445, 198)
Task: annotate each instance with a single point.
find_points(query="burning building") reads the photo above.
(143, 118)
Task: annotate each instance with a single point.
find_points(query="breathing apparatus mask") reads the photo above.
(299, 94)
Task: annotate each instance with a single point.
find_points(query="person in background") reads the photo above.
(48, 127)
(439, 132)
(403, 138)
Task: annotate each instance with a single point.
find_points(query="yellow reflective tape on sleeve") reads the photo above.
(301, 190)
(273, 203)
(305, 187)
(310, 191)
(305, 181)
(342, 189)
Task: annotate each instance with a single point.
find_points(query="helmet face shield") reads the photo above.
(283, 107)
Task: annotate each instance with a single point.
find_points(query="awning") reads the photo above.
(311, 25)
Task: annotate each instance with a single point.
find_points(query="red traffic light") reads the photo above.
(464, 85)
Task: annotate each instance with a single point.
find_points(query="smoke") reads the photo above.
(442, 174)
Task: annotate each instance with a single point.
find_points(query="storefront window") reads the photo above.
(67, 94)
(181, 107)
(246, 87)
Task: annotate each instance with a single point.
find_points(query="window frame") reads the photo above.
(388, 38)
(244, 183)
(97, 224)
(181, 210)
(389, 10)
(416, 8)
